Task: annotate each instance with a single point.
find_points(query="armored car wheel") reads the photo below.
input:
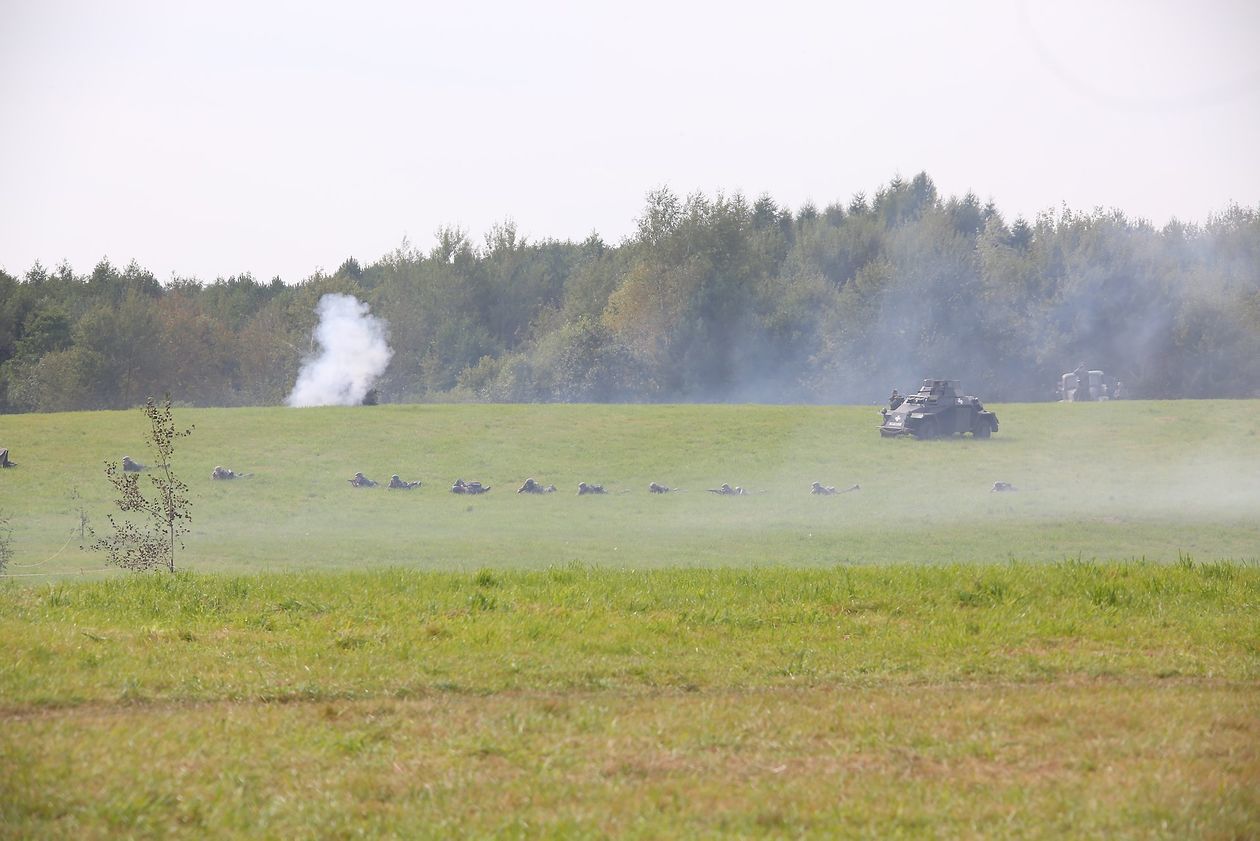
(982, 430)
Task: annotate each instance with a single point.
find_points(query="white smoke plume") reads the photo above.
(353, 353)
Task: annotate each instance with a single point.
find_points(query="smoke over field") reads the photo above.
(1117, 480)
(813, 608)
(353, 355)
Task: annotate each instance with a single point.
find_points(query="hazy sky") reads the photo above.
(278, 138)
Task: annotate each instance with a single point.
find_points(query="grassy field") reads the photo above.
(1014, 700)
(922, 658)
(1121, 481)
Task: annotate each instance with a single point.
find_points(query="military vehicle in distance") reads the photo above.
(1080, 386)
(938, 410)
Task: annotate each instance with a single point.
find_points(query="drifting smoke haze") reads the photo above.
(1170, 313)
(715, 299)
(353, 353)
(723, 300)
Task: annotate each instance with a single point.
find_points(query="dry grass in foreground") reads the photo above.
(1172, 759)
(1066, 700)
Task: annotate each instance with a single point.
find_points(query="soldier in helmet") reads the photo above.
(532, 487)
(895, 399)
(399, 485)
(221, 473)
(462, 487)
(658, 488)
(584, 489)
(131, 466)
(1003, 487)
(361, 481)
(821, 489)
(727, 490)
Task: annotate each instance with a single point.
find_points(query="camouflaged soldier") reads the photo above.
(130, 466)
(361, 481)
(658, 489)
(399, 485)
(584, 489)
(821, 489)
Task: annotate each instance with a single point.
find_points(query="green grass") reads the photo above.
(922, 658)
(320, 636)
(1120, 481)
(1013, 700)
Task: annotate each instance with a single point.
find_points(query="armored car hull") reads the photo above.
(938, 410)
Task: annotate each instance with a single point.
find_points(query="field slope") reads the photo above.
(1121, 481)
(920, 658)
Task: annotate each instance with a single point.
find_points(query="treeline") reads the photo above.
(712, 298)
